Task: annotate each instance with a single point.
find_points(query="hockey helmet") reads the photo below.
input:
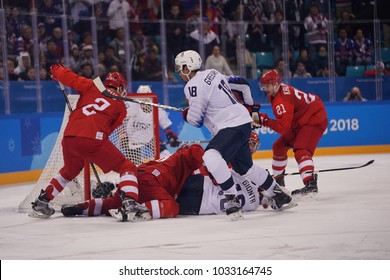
(144, 89)
(116, 81)
(254, 142)
(270, 77)
(190, 58)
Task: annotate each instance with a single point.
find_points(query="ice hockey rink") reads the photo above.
(348, 220)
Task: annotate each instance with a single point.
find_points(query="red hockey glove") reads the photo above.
(53, 69)
(172, 138)
(185, 112)
(264, 119)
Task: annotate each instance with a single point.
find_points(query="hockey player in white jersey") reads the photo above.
(212, 104)
(165, 124)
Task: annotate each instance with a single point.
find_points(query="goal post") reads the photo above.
(137, 138)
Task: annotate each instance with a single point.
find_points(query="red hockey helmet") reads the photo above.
(270, 77)
(254, 142)
(116, 81)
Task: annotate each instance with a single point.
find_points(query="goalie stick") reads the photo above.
(99, 84)
(332, 169)
(71, 110)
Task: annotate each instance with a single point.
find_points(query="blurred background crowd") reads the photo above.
(300, 38)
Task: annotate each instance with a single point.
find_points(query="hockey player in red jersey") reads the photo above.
(180, 184)
(86, 139)
(301, 120)
(160, 182)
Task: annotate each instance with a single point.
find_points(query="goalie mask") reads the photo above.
(116, 81)
(254, 142)
(144, 89)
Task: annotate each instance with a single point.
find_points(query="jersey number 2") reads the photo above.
(101, 105)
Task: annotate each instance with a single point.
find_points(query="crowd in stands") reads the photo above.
(223, 22)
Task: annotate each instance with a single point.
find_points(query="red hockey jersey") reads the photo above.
(294, 108)
(95, 115)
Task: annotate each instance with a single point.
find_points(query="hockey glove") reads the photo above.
(172, 138)
(53, 69)
(185, 112)
(263, 119)
(103, 190)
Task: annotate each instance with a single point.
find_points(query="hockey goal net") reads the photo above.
(137, 138)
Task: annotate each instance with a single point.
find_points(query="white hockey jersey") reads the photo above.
(211, 102)
(214, 201)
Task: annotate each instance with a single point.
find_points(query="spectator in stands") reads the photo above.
(57, 38)
(192, 22)
(354, 95)
(86, 39)
(323, 6)
(218, 62)
(270, 7)
(87, 70)
(11, 70)
(52, 56)
(256, 32)
(24, 62)
(344, 22)
(175, 29)
(111, 59)
(43, 74)
(117, 11)
(152, 69)
(372, 72)
(275, 34)
(51, 14)
(343, 50)
(42, 37)
(295, 13)
(237, 20)
(300, 71)
(15, 23)
(118, 45)
(304, 58)
(362, 49)
(102, 71)
(75, 58)
(209, 38)
(24, 43)
(279, 67)
(320, 62)
(87, 55)
(316, 26)
(28, 75)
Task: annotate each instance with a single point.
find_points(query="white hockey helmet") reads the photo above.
(144, 89)
(189, 58)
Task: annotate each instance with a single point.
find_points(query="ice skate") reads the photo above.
(311, 188)
(282, 200)
(41, 208)
(131, 211)
(280, 179)
(233, 207)
(71, 210)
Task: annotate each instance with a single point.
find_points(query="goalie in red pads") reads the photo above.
(86, 139)
(301, 120)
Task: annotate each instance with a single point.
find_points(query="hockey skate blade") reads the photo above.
(292, 204)
(37, 214)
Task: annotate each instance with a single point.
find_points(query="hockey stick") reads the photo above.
(71, 110)
(332, 169)
(189, 142)
(99, 84)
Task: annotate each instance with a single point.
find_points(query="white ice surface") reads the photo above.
(349, 219)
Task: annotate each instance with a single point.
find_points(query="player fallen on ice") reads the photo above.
(301, 120)
(180, 184)
(86, 139)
